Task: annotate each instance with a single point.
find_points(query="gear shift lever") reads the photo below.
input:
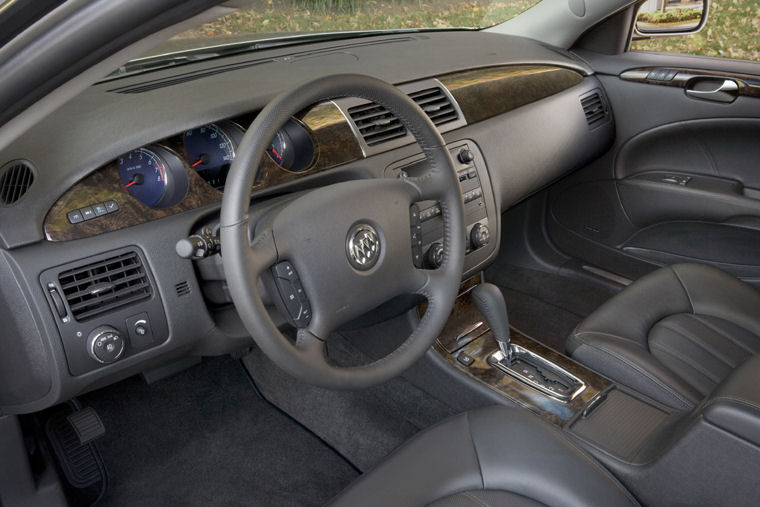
(490, 303)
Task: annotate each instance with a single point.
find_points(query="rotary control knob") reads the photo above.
(434, 256)
(465, 156)
(480, 235)
(105, 344)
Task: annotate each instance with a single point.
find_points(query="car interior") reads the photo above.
(516, 265)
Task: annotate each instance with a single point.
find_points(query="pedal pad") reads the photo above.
(87, 425)
(80, 462)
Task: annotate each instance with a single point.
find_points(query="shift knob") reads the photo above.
(489, 301)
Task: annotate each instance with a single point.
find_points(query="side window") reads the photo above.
(731, 30)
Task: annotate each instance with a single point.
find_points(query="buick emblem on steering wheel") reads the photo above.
(363, 246)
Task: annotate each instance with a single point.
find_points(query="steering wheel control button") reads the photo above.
(111, 206)
(292, 293)
(415, 232)
(140, 332)
(363, 247)
(105, 344)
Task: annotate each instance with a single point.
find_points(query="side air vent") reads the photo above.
(595, 108)
(15, 179)
(106, 285)
(376, 124)
(436, 105)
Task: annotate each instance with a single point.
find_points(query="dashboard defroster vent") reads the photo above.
(594, 107)
(436, 105)
(15, 179)
(376, 124)
(105, 285)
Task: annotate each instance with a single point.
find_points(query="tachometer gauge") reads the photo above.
(292, 147)
(211, 149)
(154, 175)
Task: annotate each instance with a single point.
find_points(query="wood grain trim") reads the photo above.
(488, 92)
(105, 184)
(481, 94)
(463, 316)
(749, 85)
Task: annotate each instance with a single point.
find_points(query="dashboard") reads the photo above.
(131, 167)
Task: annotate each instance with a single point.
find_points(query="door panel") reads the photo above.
(682, 180)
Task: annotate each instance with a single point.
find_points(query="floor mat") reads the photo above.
(364, 426)
(204, 437)
(546, 306)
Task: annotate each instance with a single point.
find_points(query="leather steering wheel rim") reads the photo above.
(382, 205)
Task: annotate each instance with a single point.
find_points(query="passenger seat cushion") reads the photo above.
(494, 449)
(673, 334)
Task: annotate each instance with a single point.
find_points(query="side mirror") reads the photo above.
(660, 18)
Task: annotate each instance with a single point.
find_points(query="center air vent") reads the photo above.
(106, 285)
(376, 124)
(594, 107)
(15, 179)
(436, 105)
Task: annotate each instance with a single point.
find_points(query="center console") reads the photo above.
(708, 456)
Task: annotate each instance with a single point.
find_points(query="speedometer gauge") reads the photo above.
(211, 149)
(153, 175)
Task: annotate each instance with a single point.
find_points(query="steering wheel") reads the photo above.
(348, 243)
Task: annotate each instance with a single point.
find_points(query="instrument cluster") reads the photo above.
(156, 174)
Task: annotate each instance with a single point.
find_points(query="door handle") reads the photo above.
(718, 90)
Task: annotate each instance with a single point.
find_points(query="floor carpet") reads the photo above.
(204, 437)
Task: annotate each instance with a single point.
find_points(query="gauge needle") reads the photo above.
(137, 180)
(276, 154)
(199, 162)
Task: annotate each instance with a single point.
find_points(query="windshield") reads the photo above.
(267, 19)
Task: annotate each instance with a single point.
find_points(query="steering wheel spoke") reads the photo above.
(263, 252)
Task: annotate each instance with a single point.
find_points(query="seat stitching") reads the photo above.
(730, 338)
(475, 499)
(716, 354)
(475, 450)
(657, 382)
(602, 333)
(693, 365)
(683, 286)
(733, 399)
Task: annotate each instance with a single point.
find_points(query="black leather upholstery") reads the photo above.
(499, 455)
(673, 335)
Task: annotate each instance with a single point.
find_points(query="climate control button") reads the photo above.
(480, 235)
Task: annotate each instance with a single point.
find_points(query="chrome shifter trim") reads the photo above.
(502, 363)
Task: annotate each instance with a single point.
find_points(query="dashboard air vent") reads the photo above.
(106, 285)
(436, 105)
(376, 124)
(15, 179)
(594, 107)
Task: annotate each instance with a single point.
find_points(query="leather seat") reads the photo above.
(673, 335)
(487, 457)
